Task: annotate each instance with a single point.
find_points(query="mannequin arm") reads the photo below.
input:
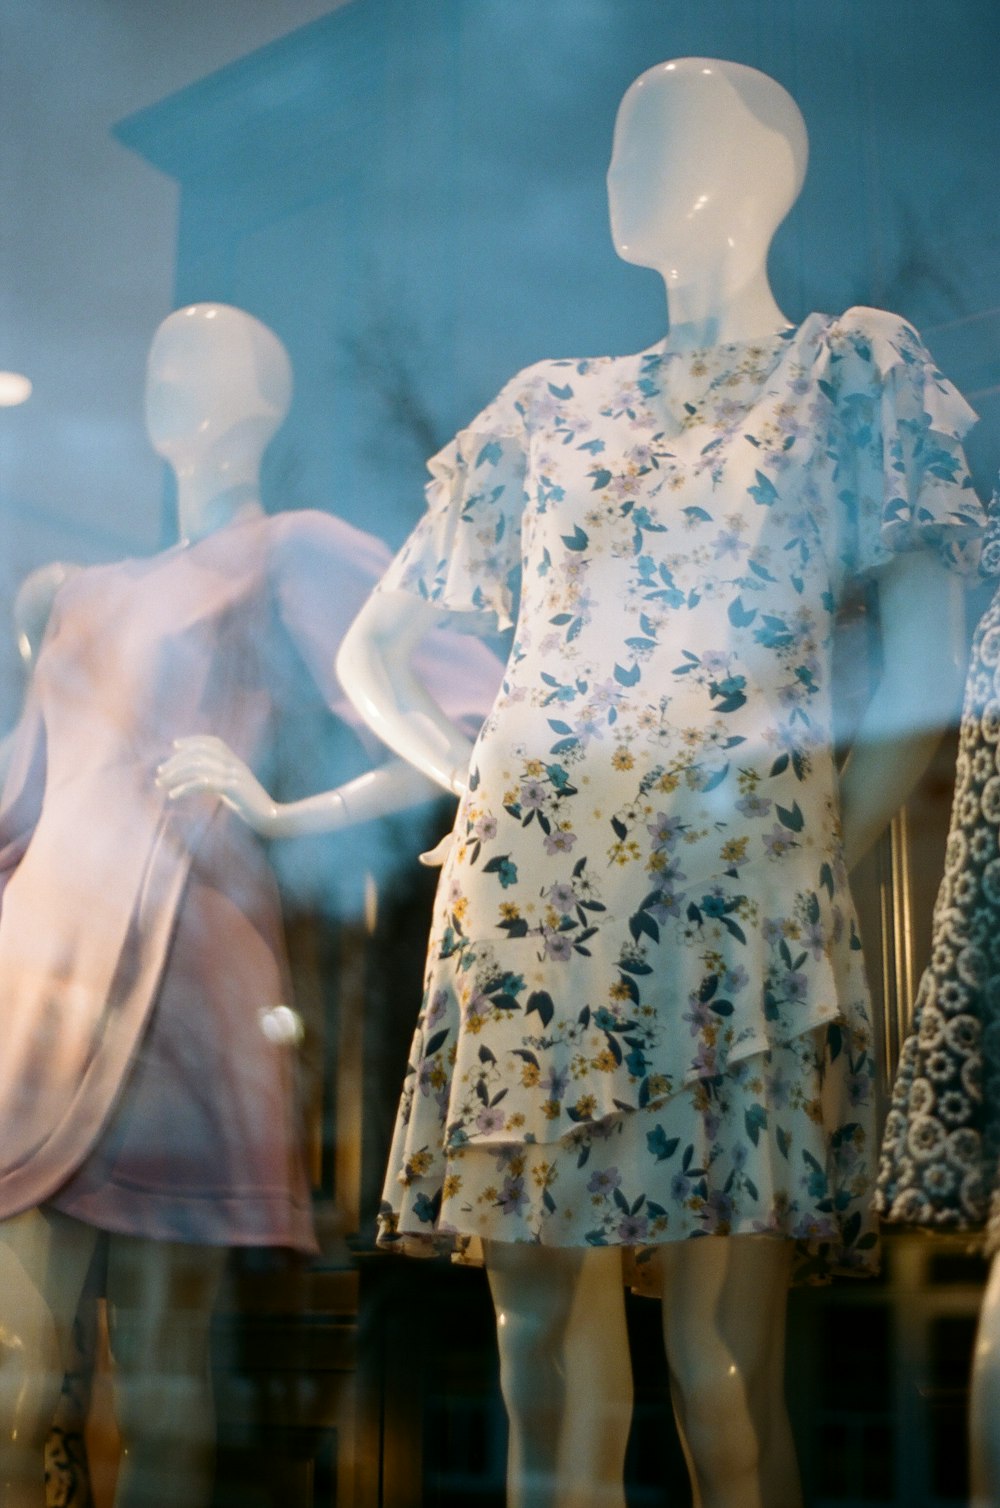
(375, 668)
(923, 650)
(204, 764)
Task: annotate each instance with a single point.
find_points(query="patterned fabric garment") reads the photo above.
(646, 1014)
(941, 1152)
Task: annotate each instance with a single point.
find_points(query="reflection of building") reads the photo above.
(410, 192)
(878, 1379)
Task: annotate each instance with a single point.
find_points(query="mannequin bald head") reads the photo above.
(708, 158)
(218, 385)
(214, 373)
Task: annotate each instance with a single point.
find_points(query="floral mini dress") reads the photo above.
(646, 1015)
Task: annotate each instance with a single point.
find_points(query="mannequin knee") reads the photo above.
(716, 1402)
(161, 1390)
(31, 1376)
(531, 1351)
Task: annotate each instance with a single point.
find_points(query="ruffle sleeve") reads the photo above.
(465, 553)
(896, 434)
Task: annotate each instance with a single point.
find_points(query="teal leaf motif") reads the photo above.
(740, 616)
(627, 677)
(578, 540)
(542, 1002)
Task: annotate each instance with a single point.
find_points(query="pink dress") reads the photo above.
(143, 1086)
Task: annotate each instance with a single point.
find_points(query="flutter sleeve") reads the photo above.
(895, 440)
(465, 553)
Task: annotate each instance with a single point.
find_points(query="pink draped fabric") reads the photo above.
(140, 940)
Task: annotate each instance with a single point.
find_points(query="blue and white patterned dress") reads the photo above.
(646, 1015)
(940, 1163)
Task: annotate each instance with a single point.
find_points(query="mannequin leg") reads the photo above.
(44, 1258)
(67, 1468)
(565, 1373)
(724, 1304)
(984, 1419)
(160, 1296)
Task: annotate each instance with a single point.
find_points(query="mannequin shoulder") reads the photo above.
(873, 332)
(529, 393)
(309, 539)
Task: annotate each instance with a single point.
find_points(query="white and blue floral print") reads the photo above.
(646, 1015)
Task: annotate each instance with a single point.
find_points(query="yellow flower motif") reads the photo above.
(735, 850)
(534, 768)
(605, 1061)
(438, 1077)
(544, 1175)
(551, 1110)
(460, 907)
(621, 759)
(516, 1166)
(623, 853)
(668, 782)
(530, 1075)
(418, 1163)
(509, 911)
(659, 1085)
(452, 1184)
(489, 1195)
(620, 990)
(515, 1120)
(585, 1106)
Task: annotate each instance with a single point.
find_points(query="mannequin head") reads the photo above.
(708, 158)
(218, 385)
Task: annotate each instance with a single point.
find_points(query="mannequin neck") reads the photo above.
(207, 500)
(704, 312)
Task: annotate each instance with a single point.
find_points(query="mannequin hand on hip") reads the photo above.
(204, 764)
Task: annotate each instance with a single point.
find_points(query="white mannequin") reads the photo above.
(202, 418)
(708, 158)
(219, 385)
